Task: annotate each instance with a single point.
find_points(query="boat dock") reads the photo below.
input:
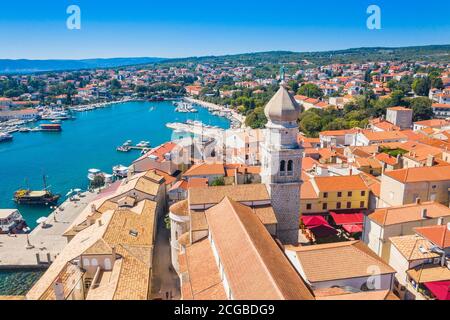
(39, 248)
(229, 113)
(196, 129)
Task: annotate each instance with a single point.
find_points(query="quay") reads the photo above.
(196, 129)
(214, 107)
(39, 248)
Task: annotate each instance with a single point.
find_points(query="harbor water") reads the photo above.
(89, 141)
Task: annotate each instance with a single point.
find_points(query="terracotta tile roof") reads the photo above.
(307, 191)
(240, 193)
(384, 157)
(205, 169)
(409, 246)
(308, 163)
(407, 213)
(339, 183)
(323, 294)
(408, 175)
(254, 265)
(434, 123)
(266, 214)
(197, 183)
(159, 152)
(429, 273)
(337, 132)
(438, 235)
(180, 208)
(384, 135)
(131, 233)
(198, 221)
(372, 183)
(201, 278)
(341, 260)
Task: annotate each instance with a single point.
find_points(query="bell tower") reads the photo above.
(282, 163)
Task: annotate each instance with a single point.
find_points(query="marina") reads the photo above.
(88, 142)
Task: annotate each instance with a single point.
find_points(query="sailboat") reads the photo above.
(38, 198)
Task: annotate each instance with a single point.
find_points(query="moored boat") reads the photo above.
(12, 222)
(51, 127)
(39, 198)
(5, 137)
(42, 197)
(120, 171)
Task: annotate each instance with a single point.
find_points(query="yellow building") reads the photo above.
(335, 193)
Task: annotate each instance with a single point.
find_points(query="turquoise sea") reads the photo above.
(89, 141)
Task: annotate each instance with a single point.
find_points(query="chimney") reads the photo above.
(113, 254)
(424, 213)
(58, 288)
(93, 208)
(417, 200)
(99, 221)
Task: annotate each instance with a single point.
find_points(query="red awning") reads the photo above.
(347, 218)
(323, 231)
(440, 289)
(313, 221)
(353, 228)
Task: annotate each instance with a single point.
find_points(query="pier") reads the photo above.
(214, 107)
(40, 248)
(197, 129)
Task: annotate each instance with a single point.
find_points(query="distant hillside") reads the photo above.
(429, 53)
(32, 66)
(433, 53)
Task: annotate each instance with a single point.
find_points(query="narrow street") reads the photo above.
(164, 278)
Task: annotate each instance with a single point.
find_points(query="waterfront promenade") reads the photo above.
(236, 116)
(45, 242)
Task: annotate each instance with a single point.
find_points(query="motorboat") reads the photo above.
(92, 173)
(5, 137)
(143, 144)
(120, 171)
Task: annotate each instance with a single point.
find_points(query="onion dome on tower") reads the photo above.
(282, 107)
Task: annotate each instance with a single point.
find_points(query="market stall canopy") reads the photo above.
(347, 218)
(353, 228)
(313, 221)
(323, 231)
(440, 289)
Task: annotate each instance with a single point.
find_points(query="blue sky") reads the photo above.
(175, 28)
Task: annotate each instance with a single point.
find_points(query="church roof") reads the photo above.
(282, 107)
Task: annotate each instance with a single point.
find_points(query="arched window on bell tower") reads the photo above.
(282, 168)
(290, 168)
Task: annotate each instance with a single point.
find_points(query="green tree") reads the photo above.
(310, 123)
(219, 181)
(310, 90)
(421, 107)
(437, 83)
(293, 85)
(256, 118)
(98, 182)
(421, 86)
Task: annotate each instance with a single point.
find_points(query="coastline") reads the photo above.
(215, 107)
